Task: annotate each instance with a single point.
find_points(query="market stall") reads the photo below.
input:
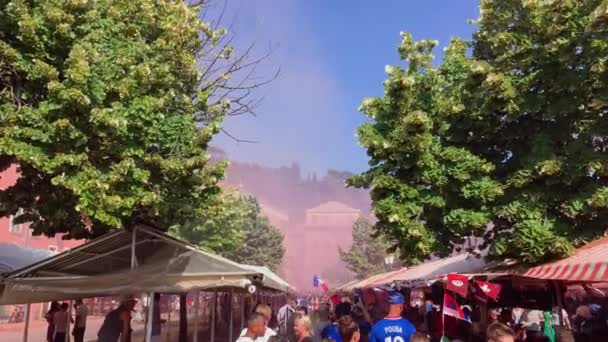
(589, 264)
(141, 261)
(418, 275)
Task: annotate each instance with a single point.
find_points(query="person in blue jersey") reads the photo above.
(331, 333)
(393, 328)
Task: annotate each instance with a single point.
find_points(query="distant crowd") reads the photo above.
(346, 322)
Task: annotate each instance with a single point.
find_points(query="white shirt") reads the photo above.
(82, 311)
(534, 317)
(244, 339)
(268, 333)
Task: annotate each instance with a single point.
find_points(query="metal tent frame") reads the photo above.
(119, 253)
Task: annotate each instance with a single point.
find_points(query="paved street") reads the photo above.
(37, 332)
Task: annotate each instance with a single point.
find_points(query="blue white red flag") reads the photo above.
(452, 308)
(319, 283)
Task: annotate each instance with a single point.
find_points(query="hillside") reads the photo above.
(288, 190)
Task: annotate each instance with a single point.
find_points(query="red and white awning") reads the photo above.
(588, 264)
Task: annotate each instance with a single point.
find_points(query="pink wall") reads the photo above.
(21, 235)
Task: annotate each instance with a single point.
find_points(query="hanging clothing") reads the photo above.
(548, 327)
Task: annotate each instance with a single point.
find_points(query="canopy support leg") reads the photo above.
(26, 323)
(150, 316)
(169, 318)
(560, 305)
(183, 317)
(212, 338)
(67, 330)
(197, 300)
(133, 243)
(230, 325)
(242, 299)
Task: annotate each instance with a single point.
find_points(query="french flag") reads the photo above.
(318, 282)
(452, 308)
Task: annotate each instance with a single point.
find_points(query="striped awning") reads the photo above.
(588, 264)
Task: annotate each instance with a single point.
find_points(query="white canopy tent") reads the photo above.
(124, 262)
(271, 279)
(128, 262)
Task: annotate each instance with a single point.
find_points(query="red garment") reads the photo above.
(335, 299)
(369, 296)
(382, 300)
(453, 326)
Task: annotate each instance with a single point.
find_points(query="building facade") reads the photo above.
(20, 234)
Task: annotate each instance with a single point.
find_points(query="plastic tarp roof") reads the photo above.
(13, 256)
(271, 279)
(348, 287)
(124, 262)
(463, 263)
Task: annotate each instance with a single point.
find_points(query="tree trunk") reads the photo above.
(183, 317)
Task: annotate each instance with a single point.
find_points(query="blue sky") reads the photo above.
(332, 54)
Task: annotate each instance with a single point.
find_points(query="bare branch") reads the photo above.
(233, 77)
(237, 139)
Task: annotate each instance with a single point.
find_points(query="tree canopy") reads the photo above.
(222, 229)
(236, 228)
(263, 243)
(365, 257)
(505, 140)
(107, 107)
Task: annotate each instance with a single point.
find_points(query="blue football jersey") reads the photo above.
(331, 332)
(392, 330)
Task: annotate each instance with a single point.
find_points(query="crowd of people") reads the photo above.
(59, 319)
(115, 328)
(419, 319)
(347, 322)
(584, 323)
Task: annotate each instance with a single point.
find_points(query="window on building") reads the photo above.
(15, 228)
(53, 249)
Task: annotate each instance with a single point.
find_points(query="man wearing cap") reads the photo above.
(393, 328)
(117, 324)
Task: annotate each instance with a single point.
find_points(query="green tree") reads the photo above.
(236, 229)
(506, 140)
(365, 257)
(107, 107)
(263, 242)
(223, 227)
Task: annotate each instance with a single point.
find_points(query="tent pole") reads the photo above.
(183, 317)
(67, 331)
(196, 319)
(150, 317)
(212, 338)
(560, 305)
(242, 311)
(231, 326)
(26, 324)
(169, 318)
(133, 260)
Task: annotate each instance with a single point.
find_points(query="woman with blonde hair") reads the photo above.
(303, 329)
